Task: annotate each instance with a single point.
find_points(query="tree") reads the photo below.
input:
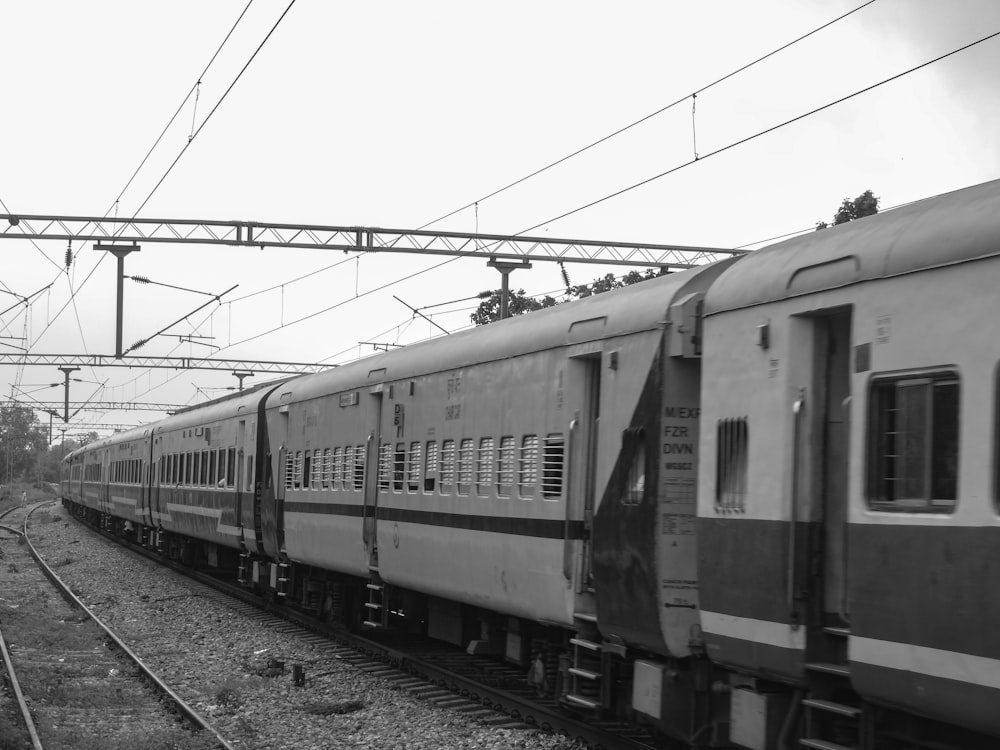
(609, 281)
(865, 204)
(22, 440)
(518, 303)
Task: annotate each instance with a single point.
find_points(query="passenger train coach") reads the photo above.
(751, 504)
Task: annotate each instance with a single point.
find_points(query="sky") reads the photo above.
(395, 114)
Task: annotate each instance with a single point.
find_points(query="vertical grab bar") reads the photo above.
(567, 549)
(365, 534)
(797, 409)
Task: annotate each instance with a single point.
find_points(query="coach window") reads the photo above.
(430, 466)
(527, 467)
(448, 467)
(231, 468)
(360, 454)
(484, 466)
(413, 468)
(384, 465)
(465, 449)
(398, 467)
(913, 426)
(552, 466)
(327, 469)
(505, 468)
(348, 475)
(188, 463)
(337, 476)
(731, 446)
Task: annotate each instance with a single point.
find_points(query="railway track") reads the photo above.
(75, 683)
(494, 693)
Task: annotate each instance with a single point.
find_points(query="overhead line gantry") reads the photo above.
(355, 239)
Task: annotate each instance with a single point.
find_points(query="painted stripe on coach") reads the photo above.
(544, 528)
(778, 634)
(935, 662)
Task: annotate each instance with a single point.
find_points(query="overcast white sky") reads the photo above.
(394, 113)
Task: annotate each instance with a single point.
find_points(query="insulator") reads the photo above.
(138, 344)
(484, 295)
(139, 279)
(69, 254)
(565, 275)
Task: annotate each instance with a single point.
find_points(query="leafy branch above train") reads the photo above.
(519, 303)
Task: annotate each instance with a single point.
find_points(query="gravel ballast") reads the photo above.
(224, 662)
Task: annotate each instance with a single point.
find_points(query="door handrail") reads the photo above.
(567, 551)
(797, 410)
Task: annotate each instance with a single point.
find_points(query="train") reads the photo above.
(749, 504)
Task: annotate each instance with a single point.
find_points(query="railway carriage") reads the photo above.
(848, 523)
(210, 479)
(466, 480)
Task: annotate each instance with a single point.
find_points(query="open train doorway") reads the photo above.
(829, 404)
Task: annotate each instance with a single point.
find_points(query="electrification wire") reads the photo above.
(651, 179)
(179, 108)
(131, 179)
(749, 138)
(214, 109)
(641, 120)
(344, 302)
(598, 142)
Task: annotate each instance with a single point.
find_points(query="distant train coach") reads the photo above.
(752, 504)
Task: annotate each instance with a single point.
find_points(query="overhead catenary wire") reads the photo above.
(759, 134)
(651, 115)
(717, 151)
(142, 163)
(598, 142)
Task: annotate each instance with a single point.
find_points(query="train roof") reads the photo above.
(951, 228)
(243, 402)
(642, 306)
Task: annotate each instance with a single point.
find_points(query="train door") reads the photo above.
(836, 333)
(152, 481)
(270, 506)
(369, 528)
(584, 377)
(821, 417)
(237, 482)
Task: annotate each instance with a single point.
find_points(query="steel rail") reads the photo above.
(544, 717)
(22, 704)
(187, 711)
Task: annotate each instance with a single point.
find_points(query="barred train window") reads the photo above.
(731, 444)
(465, 449)
(360, 453)
(413, 468)
(913, 443)
(431, 466)
(552, 467)
(448, 466)
(338, 468)
(384, 465)
(347, 474)
(398, 467)
(484, 466)
(527, 468)
(505, 472)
